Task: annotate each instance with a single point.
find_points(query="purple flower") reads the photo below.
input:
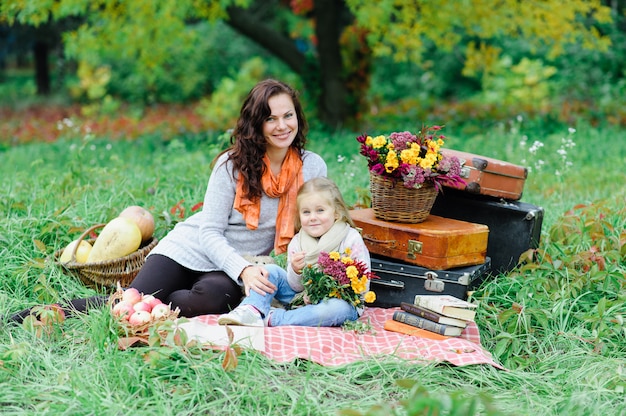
(450, 165)
(378, 169)
(413, 176)
(401, 140)
(372, 155)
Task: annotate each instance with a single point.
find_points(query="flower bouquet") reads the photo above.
(337, 275)
(406, 172)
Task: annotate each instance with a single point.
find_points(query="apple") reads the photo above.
(139, 318)
(123, 309)
(82, 252)
(151, 300)
(160, 311)
(142, 217)
(131, 295)
(142, 306)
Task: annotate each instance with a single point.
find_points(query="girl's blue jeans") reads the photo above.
(329, 312)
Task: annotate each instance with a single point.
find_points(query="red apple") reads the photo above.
(123, 309)
(139, 318)
(151, 300)
(160, 311)
(131, 295)
(142, 306)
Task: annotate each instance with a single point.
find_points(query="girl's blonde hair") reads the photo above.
(322, 185)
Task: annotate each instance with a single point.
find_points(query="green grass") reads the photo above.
(557, 323)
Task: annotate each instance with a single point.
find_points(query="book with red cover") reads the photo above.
(418, 322)
(432, 315)
(402, 328)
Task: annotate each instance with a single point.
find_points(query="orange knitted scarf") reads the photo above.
(285, 187)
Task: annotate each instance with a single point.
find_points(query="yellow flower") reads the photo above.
(358, 285)
(378, 142)
(391, 162)
(429, 160)
(333, 255)
(411, 155)
(352, 272)
(370, 297)
(334, 294)
(348, 251)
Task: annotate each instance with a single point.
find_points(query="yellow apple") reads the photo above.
(82, 252)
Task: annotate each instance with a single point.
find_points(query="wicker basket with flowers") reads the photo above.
(406, 172)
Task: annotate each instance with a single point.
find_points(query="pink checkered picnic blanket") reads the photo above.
(334, 346)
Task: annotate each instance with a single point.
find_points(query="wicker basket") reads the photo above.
(107, 273)
(392, 201)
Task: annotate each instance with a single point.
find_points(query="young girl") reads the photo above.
(325, 225)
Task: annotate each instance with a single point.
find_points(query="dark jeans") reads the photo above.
(194, 293)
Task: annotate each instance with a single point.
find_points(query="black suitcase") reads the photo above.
(514, 226)
(400, 282)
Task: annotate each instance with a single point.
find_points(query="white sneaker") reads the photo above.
(266, 320)
(241, 315)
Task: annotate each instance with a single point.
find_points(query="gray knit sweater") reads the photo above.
(216, 238)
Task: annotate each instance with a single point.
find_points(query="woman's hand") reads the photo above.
(256, 278)
(297, 262)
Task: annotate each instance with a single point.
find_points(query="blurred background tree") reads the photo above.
(348, 57)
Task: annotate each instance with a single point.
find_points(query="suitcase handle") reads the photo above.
(396, 284)
(391, 243)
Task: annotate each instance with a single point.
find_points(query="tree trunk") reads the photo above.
(42, 67)
(280, 46)
(333, 106)
(324, 74)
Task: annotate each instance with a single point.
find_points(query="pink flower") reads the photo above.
(401, 140)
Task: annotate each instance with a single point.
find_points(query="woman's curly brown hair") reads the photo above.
(248, 145)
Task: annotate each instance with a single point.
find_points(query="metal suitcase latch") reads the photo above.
(414, 247)
(432, 282)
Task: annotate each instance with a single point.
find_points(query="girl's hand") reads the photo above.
(297, 262)
(256, 278)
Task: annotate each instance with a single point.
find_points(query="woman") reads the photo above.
(249, 209)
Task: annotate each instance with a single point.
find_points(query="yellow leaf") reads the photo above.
(40, 245)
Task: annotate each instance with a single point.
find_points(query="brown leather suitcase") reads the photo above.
(437, 243)
(487, 176)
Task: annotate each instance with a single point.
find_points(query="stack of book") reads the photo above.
(432, 316)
